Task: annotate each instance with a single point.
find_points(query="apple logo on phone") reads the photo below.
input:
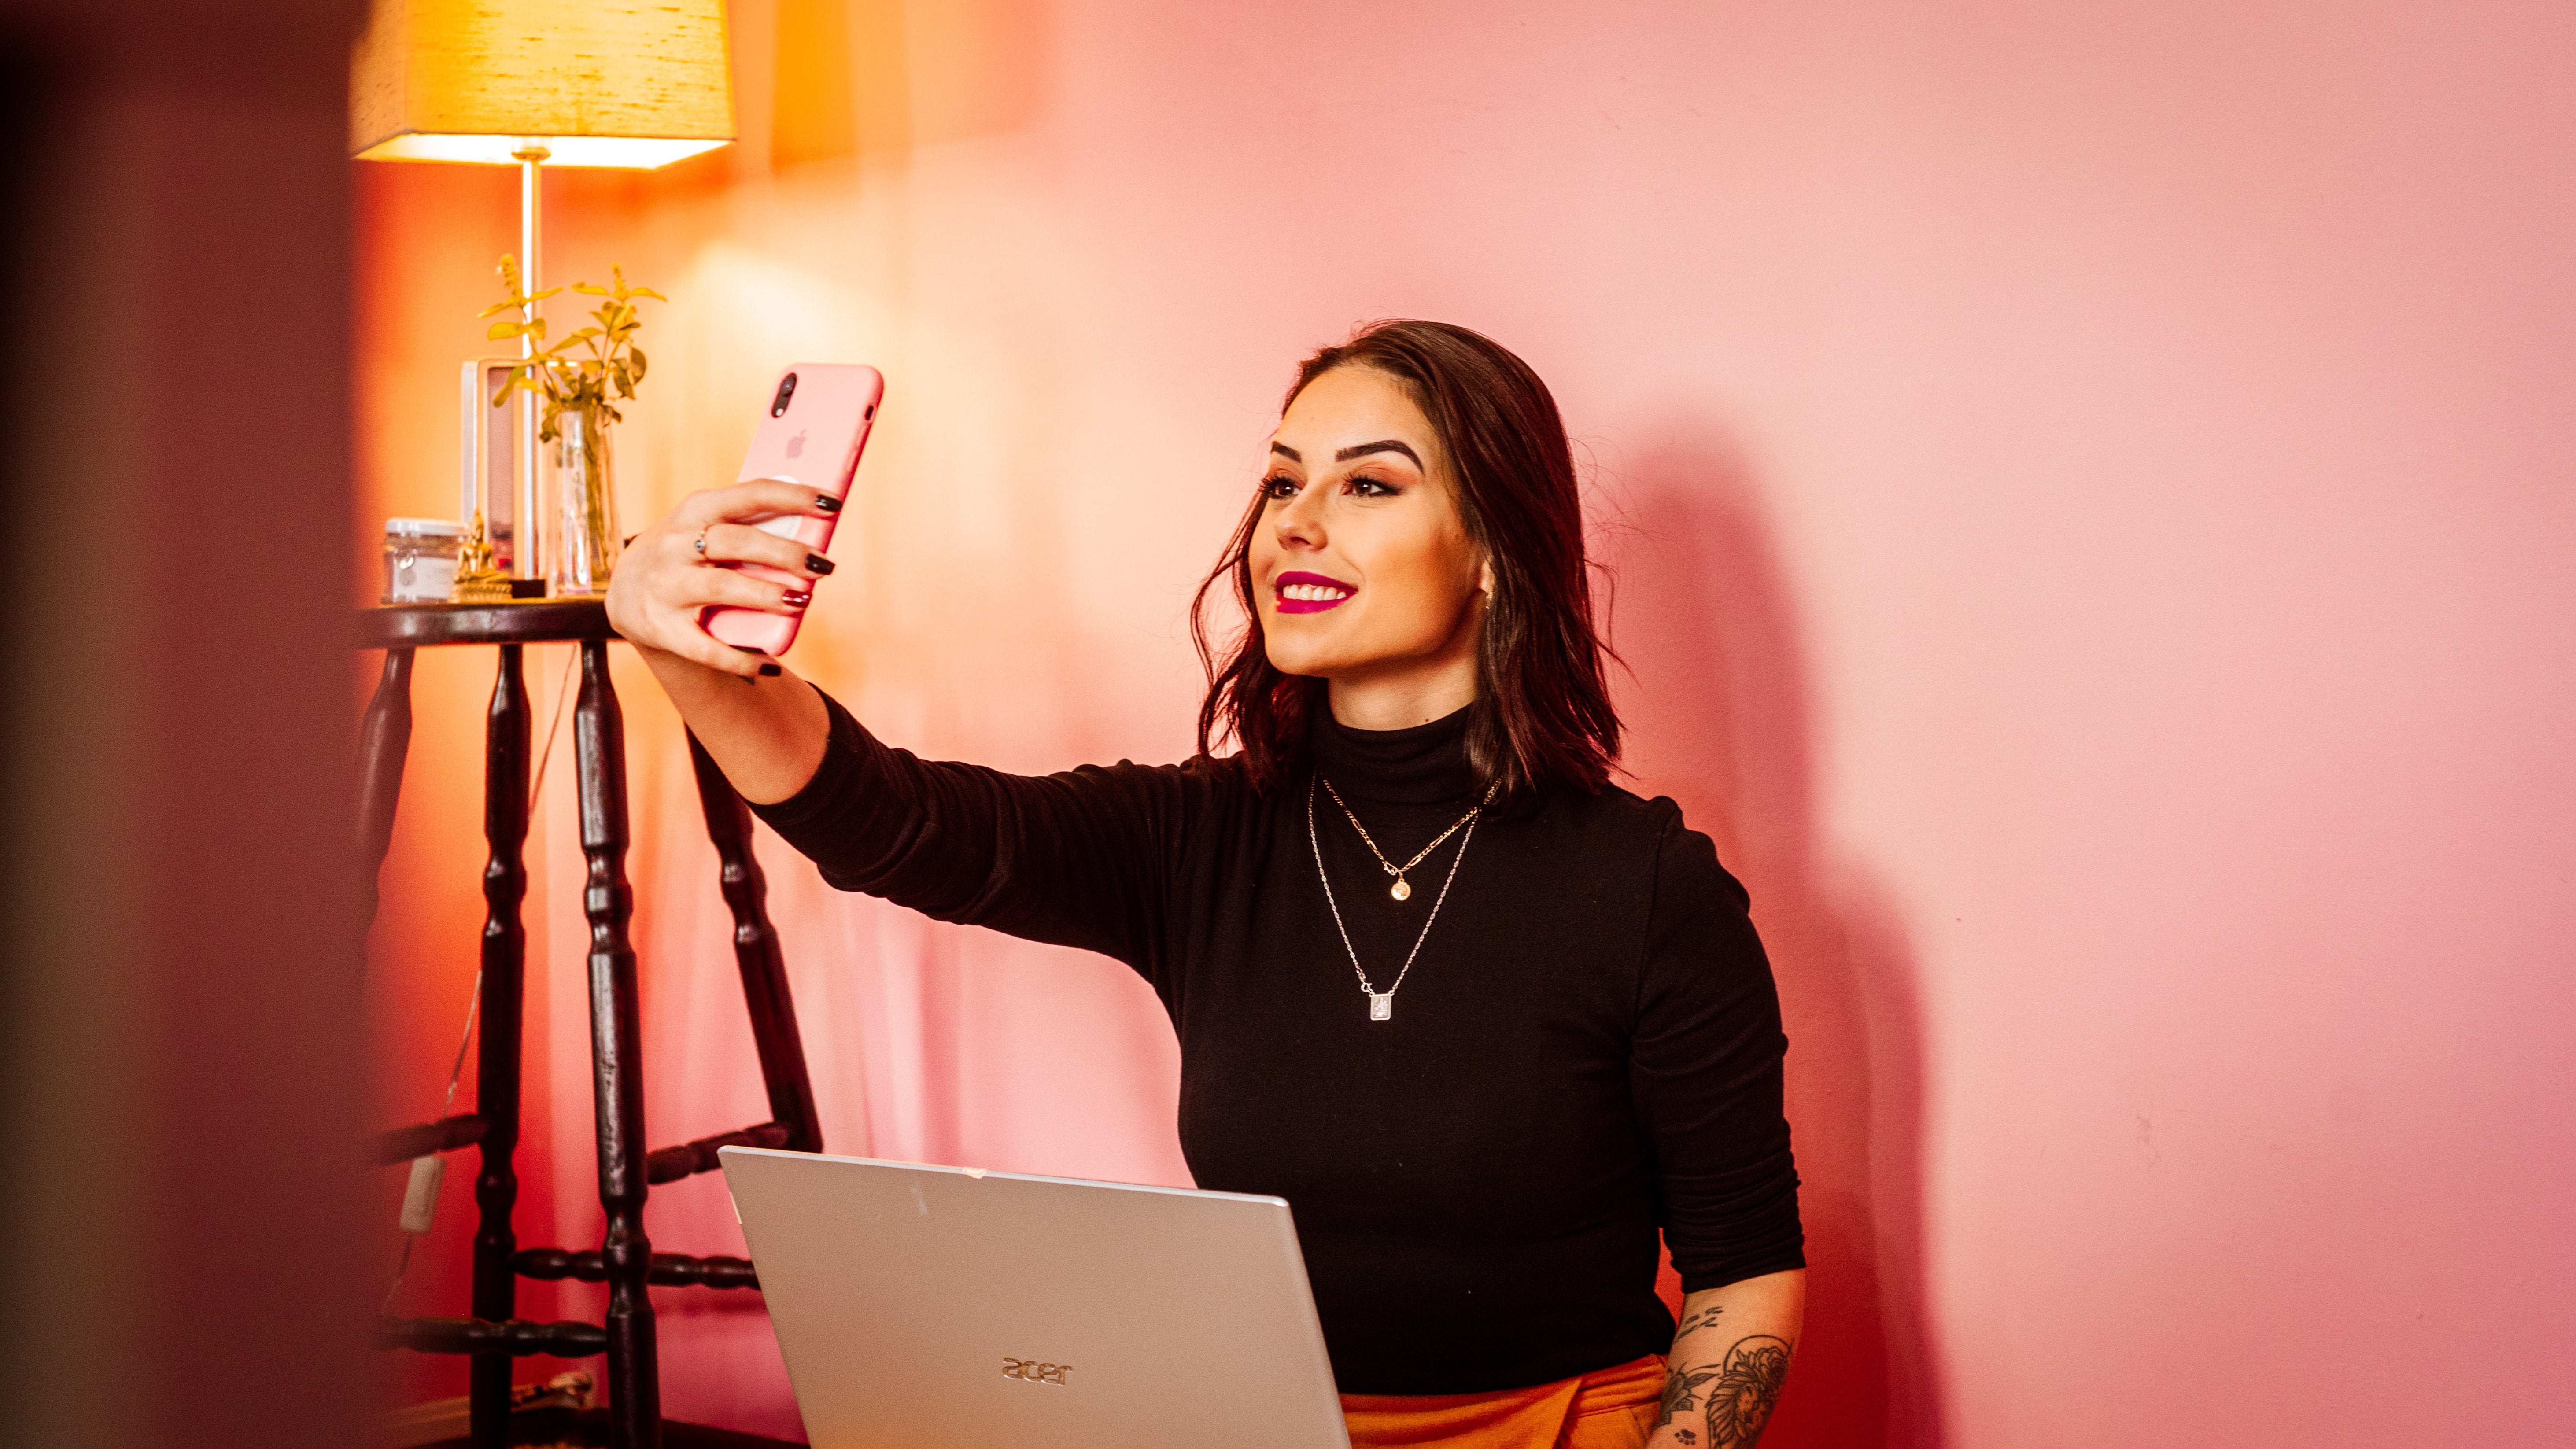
(796, 445)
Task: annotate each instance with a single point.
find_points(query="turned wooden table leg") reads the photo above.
(755, 951)
(496, 1090)
(616, 1043)
(383, 740)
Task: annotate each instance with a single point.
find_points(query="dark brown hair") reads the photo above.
(1542, 713)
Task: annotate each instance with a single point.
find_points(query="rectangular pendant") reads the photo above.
(1381, 1005)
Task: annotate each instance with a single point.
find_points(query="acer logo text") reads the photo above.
(1034, 1372)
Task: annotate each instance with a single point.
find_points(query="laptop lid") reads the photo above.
(951, 1308)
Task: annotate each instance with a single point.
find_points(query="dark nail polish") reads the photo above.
(817, 565)
(771, 671)
(797, 598)
(826, 503)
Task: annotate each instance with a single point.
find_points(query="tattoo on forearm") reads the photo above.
(1705, 1318)
(1740, 1402)
(1681, 1395)
(1741, 1390)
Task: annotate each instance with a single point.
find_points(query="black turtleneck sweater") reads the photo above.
(1588, 1047)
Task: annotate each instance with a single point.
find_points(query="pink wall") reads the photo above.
(2091, 491)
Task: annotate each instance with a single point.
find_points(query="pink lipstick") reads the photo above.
(1304, 593)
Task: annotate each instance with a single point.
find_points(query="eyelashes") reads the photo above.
(1280, 485)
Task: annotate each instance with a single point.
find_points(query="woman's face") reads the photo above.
(1361, 563)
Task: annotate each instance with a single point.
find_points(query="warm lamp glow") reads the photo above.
(638, 153)
(593, 82)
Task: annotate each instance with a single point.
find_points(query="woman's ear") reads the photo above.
(1485, 579)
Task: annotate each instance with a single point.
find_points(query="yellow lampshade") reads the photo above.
(595, 82)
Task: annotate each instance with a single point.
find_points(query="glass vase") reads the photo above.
(585, 541)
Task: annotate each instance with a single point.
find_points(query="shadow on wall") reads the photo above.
(1719, 719)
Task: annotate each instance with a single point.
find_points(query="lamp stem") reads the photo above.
(527, 559)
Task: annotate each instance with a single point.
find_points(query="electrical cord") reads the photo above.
(433, 1166)
(420, 1201)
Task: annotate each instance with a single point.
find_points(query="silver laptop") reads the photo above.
(952, 1308)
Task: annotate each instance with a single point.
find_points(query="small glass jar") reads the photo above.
(420, 559)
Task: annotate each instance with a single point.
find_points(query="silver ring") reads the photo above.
(702, 539)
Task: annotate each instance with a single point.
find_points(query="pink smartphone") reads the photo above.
(819, 415)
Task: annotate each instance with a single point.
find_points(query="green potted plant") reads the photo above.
(581, 378)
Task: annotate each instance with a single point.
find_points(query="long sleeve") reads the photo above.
(1082, 858)
(1587, 1047)
(1706, 1075)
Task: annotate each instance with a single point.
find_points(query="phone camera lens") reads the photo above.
(786, 390)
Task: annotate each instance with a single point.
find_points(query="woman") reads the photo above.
(1486, 1021)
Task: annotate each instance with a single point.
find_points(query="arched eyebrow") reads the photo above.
(1382, 445)
(1362, 450)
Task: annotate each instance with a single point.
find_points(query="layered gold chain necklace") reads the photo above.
(1403, 890)
(1382, 1003)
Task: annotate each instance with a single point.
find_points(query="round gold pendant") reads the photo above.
(1400, 890)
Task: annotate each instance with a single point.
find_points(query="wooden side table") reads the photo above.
(625, 1259)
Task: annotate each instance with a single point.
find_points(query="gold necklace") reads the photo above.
(1402, 890)
(1381, 1004)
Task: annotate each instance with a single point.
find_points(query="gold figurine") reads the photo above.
(477, 582)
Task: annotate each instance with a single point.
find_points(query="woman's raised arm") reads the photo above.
(765, 728)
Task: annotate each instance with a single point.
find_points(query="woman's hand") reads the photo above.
(674, 569)
(768, 739)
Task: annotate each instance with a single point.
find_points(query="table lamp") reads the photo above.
(616, 83)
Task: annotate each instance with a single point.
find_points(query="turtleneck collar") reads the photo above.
(1423, 765)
